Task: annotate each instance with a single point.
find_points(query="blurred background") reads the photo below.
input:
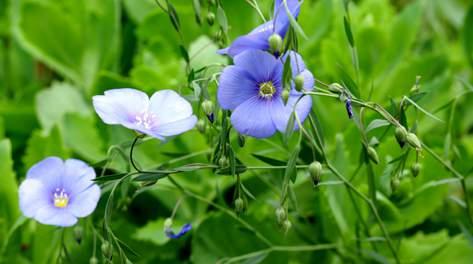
(55, 55)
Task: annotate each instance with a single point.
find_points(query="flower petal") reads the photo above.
(260, 64)
(84, 203)
(309, 80)
(257, 39)
(280, 14)
(168, 107)
(33, 196)
(175, 128)
(253, 118)
(297, 63)
(48, 171)
(77, 176)
(50, 215)
(235, 87)
(120, 106)
(281, 113)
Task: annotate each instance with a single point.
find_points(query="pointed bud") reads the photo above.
(223, 162)
(299, 82)
(200, 126)
(208, 108)
(285, 95)
(78, 233)
(210, 18)
(286, 225)
(335, 88)
(241, 140)
(315, 170)
(281, 215)
(167, 223)
(373, 155)
(401, 135)
(275, 43)
(107, 250)
(415, 169)
(412, 139)
(93, 260)
(395, 183)
(239, 205)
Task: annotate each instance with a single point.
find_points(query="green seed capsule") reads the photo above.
(223, 162)
(395, 183)
(415, 169)
(413, 141)
(281, 215)
(275, 43)
(299, 82)
(167, 223)
(286, 225)
(401, 135)
(78, 233)
(200, 126)
(239, 205)
(285, 95)
(315, 170)
(107, 249)
(207, 107)
(210, 18)
(93, 260)
(335, 88)
(373, 155)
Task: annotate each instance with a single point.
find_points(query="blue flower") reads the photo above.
(57, 192)
(185, 228)
(349, 108)
(165, 114)
(258, 37)
(252, 89)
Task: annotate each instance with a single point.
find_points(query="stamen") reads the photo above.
(267, 90)
(61, 198)
(146, 120)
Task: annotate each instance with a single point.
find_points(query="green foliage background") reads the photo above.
(55, 55)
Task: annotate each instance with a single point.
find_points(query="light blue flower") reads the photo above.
(57, 192)
(252, 89)
(165, 114)
(258, 37)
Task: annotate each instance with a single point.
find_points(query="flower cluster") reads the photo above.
(253, 87)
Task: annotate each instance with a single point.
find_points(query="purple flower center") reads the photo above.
(60, 198)
(267, 90)
(146, 120)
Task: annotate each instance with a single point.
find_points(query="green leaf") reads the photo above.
(153, 232)
(293, 21)
(468, 35)
(55, 102)
(268, 160)
(377, 123)
(222, 19)
(348, 32)
(8, 189)
(40, 146)
(202, 53)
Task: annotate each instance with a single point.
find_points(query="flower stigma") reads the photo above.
(267, 90)
(61, 198)
(146, 119)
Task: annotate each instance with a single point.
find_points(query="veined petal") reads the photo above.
(168, 107)
(253, 118)
(281, 19)
(297, 63)
(120, 106)
(48, 171)
(281, 113)
(33, 196)
(235, 86)
(176, 127)
(309, 80)
(51, 215)
(77, 176)
(261, 65)
(256, 41)
(84, 203)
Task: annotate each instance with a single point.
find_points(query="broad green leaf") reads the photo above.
(202, 53)
(377, 123)
(153, 232)
(55, 102)
(40, 146)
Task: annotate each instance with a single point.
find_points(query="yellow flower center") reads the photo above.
(61, 199)
(267, 89)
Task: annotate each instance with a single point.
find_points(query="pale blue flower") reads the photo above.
(57, 192)
(165, 114)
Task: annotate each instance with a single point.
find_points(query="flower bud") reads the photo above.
(335, 88)
(286, 225)
(315, 170)
(395, 183)
(413, 141)
(200, 126)
(208, 108)
(78, 233)
(275, 43)
(167, 223)
(285, 95)
(415, 169)
(401, 135)
(373, 155)
(107, 250)
(299, 82)
(93, 260)
(281, 215)
(241, 140)
(210, 18)
(404, 190)
(239, 205)
(223, 162)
